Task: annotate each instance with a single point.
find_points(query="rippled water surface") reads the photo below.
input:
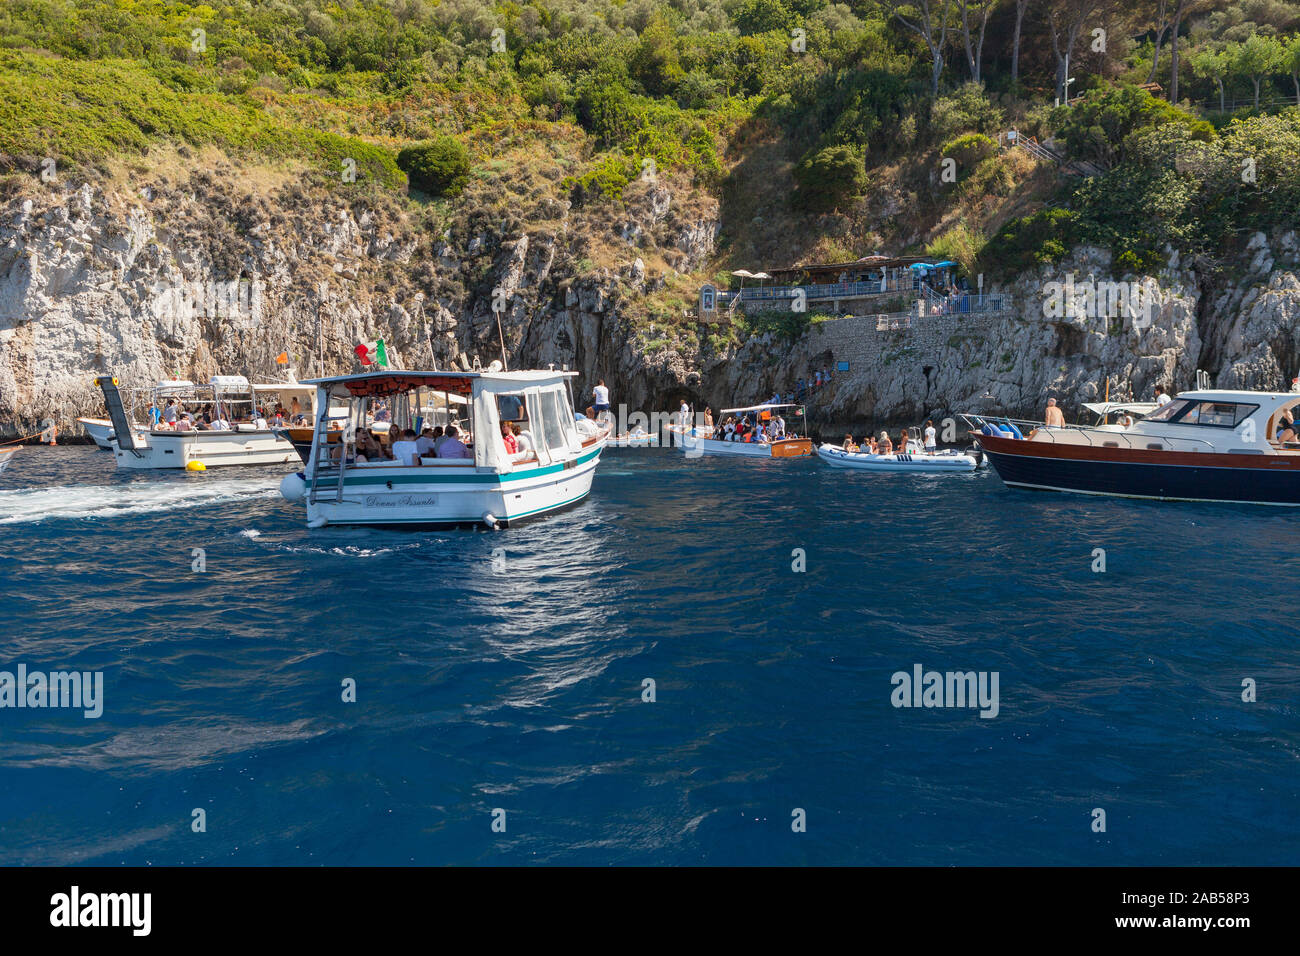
(505, 670)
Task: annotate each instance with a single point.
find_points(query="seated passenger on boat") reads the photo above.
(405, 451)
(849, 445)
(872, 446)
(523, 440)
(508, 438)
(452, 446)
(367, 448)
(1286, 429)
(886, 444)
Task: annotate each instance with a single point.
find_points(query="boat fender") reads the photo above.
(196, 466)
(293, 487)
(490, 520)
(1014, 430)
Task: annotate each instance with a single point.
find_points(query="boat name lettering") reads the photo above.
(401, 501)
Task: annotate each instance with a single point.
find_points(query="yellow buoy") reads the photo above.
(196, 466)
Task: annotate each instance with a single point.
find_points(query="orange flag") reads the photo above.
(282, 358)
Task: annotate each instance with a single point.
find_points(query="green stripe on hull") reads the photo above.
(353, 479)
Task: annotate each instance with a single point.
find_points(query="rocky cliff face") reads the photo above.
(219, 270)
(1243, 329)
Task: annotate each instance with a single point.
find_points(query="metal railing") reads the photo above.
(837, 290)
(1043, 431)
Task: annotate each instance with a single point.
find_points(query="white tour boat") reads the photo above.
(7, 455)
(227, 398)
(100, 431)
(636, 438)
(488, 485)
(689, 439)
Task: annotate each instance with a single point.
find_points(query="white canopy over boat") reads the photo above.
(766, 406)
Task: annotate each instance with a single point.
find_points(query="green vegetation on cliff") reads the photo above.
(822, 126)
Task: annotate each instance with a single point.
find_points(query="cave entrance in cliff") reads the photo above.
(671, 400)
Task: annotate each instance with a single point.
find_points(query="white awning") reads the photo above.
(758, 408)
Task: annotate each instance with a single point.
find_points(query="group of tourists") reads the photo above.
(884, 445)
(173, 416)
(403, 446)
(746, 428)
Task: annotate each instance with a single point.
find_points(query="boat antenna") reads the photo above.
(496, 310)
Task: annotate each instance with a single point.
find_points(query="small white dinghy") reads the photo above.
(944, 461)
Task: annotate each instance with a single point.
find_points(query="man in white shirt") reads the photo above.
(452, 446)
(684, 414)
(1161, 397)
(169, 412)
(930, 435)
(220, 424)
(601, 394)
(424, 444)
(406, 451)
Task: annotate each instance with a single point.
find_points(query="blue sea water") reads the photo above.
(505, 670)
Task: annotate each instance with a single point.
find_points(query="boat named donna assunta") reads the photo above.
(552, 468)
(1204, 445)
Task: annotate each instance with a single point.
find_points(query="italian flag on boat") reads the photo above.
(373, 353)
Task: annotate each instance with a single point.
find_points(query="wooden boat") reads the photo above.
(1204, 445)
(693, 442)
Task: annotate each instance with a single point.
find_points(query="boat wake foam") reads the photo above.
(113, 501)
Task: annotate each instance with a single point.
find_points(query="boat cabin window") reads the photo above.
(512, 408)
(1184, 411)
(1217, 414)
(553, 422)
(1168, 411)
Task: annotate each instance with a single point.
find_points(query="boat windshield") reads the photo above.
(1168, 411)
(1185, 411)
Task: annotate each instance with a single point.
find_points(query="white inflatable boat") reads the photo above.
(942, 461)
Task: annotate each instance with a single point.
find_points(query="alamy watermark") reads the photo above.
(922, 688)
(1105, 299)
(78, 690)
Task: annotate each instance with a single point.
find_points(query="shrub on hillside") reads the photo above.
(961, 244)
(969, 150)
(968, 108)
(829, 177)
(1021, 244)
(439, 167)
(1097, 126)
